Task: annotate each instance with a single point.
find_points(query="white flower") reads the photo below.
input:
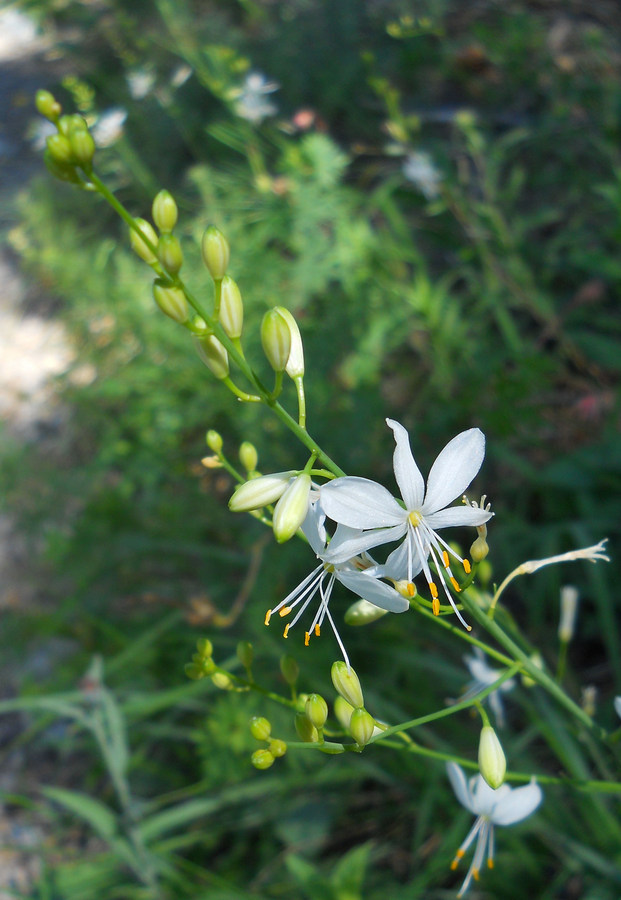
(420, 170)
(504, 806)
(251, 103)
(140, 82)
(361, 504)
(482, 676)
(109, 126)
(349, 572)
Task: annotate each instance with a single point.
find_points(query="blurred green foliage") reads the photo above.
(487, 294)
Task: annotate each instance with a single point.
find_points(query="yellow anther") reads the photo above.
(445, 559)
(475, 874)
(317, 630)
(286, 631)
(268, 616)
(433, 589)
(455, 584)
(411, 589)
(490, 863)
(435, 606)
(284, 611)
(306, 638)
(454, 864)
(467, 566)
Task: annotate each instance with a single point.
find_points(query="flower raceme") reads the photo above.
(375, 517)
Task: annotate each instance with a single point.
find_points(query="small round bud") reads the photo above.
(259, 492)
(479, 550)
(214, 440)
(82, 146)
(222, 681)
(362, 613)
(169, 253)
(231, 308)
(361, 726)
(138, 244)
(260, 728)
(300, 702)
(276, 339)
(171, 300)
(204, 647)
(209, 666)
(164, 211)
(295, 363)
(289, 669)
(305, 729)
(248, 456)
(262, 759)
(277, 747)
(194, 671)
(347, 684)
(316, 710)
(492, 762)
(60, 149)
(62, 171)
(291, 509)
(47, 105)
(245, 653)
(214, 355)
(343, 711)
(69, 123)
(215, 252)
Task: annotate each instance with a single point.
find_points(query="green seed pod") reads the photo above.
(204, 647)
(164, 211)
(214, 355)
(276, 339)
(60, 150)
(215, 252)
(277, 747)
(214, 440)
(171, 300)
(316, 710)
(245, 653)
(291, 509)
(82, 146)
(347, 684)
(231, 308)
(361, 726)
(362, 613)
(289, 669)
(262, 759)
(492, 761)
(137, 243)
(47, 105)
(305, 729)
(248, 456)
(260, 728)
(169, 253)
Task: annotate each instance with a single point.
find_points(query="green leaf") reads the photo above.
(348, 876)
(308, 878)
(96, 813)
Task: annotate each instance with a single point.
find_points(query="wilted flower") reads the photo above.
(504, 806)
(251, 102)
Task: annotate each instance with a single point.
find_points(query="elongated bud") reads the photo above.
(164, 211)
(214, 440)
(47, 105)
(215, 252)
(289, 669)
(479, 550)
(171, 300)
(316, 710)
(295, 363)
(260, 728)
(276, 339)
(262, 759)
(82, 146)
(214, 355)
(361, 726)
(204, 647)
(569, 607)
(492, 762)
(346, 683)
(138, 245)
(305, 729)
(245, 653)
(291, 509)
(169, 253)
(248, 456)
(343, 711)
(231, 308)
(259, 492)
(69, 123)
(222, 681)
(362, 613)
(277, 747)
(60, 150)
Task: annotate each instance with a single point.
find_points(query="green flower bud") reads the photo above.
(231, 308)
(169, 253)
(346, 683)
(222, 681)
(260, 728)
(214, 355)
(245, 653)
(277, 747)
(316, 710)
(204, 647)
(171, 300)
(295, 363)
(194, 671)
(62, 171)
(214, 441)
(479, 550)
(262, 759)
(289, 669)
(138, 245)
(248, 456)
(305, 729)
(362, 613)
(208, 666)
(215, 252)
(300, 702)
(343, 711)
(82, 146)
(164, 211)
(60, 149)
(291, 509)
(361, 726)
(69, 123)
(492, 762)
(47, 105)
(276, 339)
(259, 492)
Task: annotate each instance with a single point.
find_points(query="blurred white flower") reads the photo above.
(109, 126)
(180, 75)
(251, 102)
(140, 83)
(39, 131)
(18, 34)
(420, 170)
(482, 676)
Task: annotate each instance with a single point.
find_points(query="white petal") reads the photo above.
(407, 473)
(517, 805)
(376, 592)
(396, 566)
(457, 515)
(360, 503)
(454, 469)
(313, 528)
(459, 785)
(484, 797)
(349, 543)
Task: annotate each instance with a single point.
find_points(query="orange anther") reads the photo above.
(455, 584)
(435, 605)
(490, 863)
(268, 616)
(433, 589)
(286, 631)
(284, 611)
(411, 589)
(306, 638)
(317, 630)
(467, 566)
(475, 874)
(445, 559)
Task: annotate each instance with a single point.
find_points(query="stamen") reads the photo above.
(286, 631)
(454, 582)
(411, 589)
(317, 630)
(306, 638)
(490, 863)
(435, 606)
(467, 566)
(284, 611)
(434, 590)
(268, 616)
(475, 874)
(445, 558)
(458, 856)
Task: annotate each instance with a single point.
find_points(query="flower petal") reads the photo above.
(517, 805)
(457, 515)
(376, 592)
(313, 528)
(454, 469)
(407, 473)
(349, 542)
(459, 785)
(396, 566)
(360, 503)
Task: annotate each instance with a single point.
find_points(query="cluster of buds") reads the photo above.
(349, 706)
(261, 730)
(290, 491)
(69, 152)
(202, 664)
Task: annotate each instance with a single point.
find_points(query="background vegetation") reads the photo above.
(437, 197)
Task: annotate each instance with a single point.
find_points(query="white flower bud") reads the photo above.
(343, 711)
(276, 339)
(214, 355)
(171, 300)
(215, 251)
(292, 508)
(231, 308)
(138, 245)
(347, 683)
(362, 613)
(164, 211)
(260, 491)
(492, 762)
(569, 607)
(295, 362)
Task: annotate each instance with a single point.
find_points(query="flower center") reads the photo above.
(415, 518)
